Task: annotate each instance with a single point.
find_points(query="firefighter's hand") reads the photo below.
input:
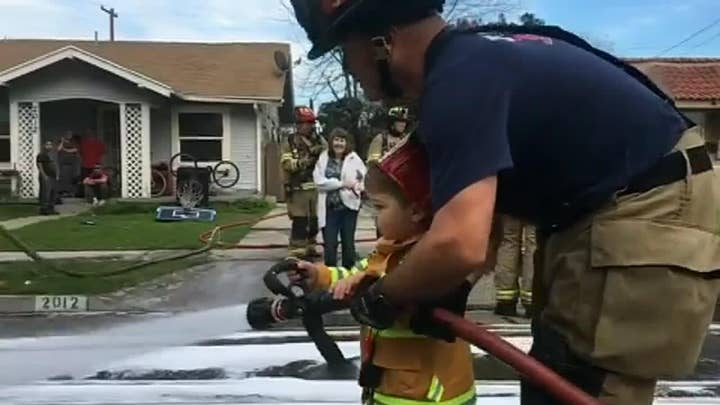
(423, 322)
(346, 287)
(305, 273)
(369, 306)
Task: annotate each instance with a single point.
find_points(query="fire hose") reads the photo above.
(262, 312)
(533, 371)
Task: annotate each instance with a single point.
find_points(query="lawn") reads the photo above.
(12, 211)
(33, 278)
(132, 226)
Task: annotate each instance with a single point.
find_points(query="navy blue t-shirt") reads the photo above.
(557, 124)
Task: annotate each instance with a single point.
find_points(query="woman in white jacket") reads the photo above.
(340, 176)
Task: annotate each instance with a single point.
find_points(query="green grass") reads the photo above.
(132, 226)
(12, 211)
(32, 278)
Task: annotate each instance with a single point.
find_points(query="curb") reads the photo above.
(63, 304)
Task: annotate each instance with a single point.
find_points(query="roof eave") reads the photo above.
(73, 52)
(231, 99)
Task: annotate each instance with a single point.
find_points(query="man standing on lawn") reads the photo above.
(47, 176)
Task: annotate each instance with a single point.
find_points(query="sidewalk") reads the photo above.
(69, 208)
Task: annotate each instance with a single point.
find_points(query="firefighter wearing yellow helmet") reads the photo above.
(299, 154)
(398, 120)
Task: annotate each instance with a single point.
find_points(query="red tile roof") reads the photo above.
(685, 79)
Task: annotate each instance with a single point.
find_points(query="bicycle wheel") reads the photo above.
(226, 174)
(158, 183)
(178, 159)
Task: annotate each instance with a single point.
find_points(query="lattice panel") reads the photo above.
(28, 122)
(133, 159)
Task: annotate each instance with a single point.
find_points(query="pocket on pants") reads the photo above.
(657, 301)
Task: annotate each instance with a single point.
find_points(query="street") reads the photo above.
(210, 357)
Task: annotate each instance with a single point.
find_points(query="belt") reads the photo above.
(670, 169)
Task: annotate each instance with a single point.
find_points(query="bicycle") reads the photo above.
(225, 174)
(159, 180)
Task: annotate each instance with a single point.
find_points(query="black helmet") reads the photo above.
(327, 21)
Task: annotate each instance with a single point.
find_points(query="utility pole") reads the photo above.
(113, 15)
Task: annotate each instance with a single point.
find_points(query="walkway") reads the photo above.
(70, 207)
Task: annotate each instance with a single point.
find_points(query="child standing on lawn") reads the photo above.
(400, 366)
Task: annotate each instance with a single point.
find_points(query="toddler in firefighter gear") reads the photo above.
(300, 152)
(402, 363)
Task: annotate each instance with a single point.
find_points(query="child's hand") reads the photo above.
(345, 288)
(306, 273)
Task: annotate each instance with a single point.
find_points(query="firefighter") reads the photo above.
(300, 152)
(514, 268)
(621, 190)
(397, 120)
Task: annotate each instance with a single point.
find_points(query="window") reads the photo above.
(201, 135)
(4, 132)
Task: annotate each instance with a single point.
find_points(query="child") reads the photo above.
(398, 365)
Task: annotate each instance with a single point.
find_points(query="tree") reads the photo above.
(529, 19)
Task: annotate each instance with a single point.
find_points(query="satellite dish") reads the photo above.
(282, 61)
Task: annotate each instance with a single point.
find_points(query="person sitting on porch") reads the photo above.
(96, 186)
(92, 150)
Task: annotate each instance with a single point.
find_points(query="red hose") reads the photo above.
(531, 369)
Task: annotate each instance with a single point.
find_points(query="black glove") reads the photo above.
(423, 322)
(369, 306)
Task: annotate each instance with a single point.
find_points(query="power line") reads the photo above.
(693, 35)
(712, 38)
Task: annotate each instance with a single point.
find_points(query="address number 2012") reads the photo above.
(60, 303)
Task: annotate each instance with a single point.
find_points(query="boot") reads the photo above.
(506, 308)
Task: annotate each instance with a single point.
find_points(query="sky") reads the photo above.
(638, 28)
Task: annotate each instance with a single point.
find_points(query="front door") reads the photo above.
(109, 132)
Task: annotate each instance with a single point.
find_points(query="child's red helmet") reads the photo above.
(408, 166)
(304, 115)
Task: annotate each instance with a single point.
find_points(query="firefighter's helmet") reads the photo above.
(304, 115)
(407, 165)
(326, 22)
(398, 114)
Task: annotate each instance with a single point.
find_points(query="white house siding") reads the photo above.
(74, 79)
(243, 145)
(160, 136)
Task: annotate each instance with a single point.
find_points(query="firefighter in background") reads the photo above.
(514, 261)
(300, 152)
(398, 120)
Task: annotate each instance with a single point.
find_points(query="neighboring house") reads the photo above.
(694, 84)
(146, 100)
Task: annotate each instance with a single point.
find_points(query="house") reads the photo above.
(147, 101)
(694, 84)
